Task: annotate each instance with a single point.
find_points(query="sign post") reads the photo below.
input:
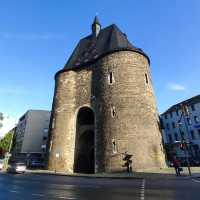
(57, 157)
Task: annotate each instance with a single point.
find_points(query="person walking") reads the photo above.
(176, 164)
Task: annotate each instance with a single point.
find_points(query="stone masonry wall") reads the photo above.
(125, 113)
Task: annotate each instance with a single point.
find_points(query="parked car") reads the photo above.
(1, 164)
(36, 164)
(16, 168)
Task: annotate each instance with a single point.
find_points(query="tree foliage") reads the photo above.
(6, 141)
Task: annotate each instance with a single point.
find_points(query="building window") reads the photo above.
(44, 146)
(171, 114)
(192, 135)
(196, 119)
(168, 126)
(182, 135)
(146, 79)
(193, 107)
(113, 111)
(114, 146)
(45, 130)
(111, 78)
(199, 132)
(165, 116)
(173, 125)
(176, 136)
(170, 138)
(44, 137)
(177, 113)
(189, 121)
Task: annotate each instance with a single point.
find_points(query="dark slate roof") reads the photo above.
(96, 20)
(90, 48)
(188, 102)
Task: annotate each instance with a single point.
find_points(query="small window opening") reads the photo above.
(113, 111)
(114, 146)
(111, 78)
(146, 78)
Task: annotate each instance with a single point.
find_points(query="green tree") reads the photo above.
(6, 141)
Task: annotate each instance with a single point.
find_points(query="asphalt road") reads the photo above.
(40, 187)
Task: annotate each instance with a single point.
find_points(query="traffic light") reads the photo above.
(128, 162)
(182, 146)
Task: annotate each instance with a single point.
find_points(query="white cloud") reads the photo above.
(8, 124)
(175, 87)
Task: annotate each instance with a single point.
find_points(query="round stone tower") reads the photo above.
(104, 106)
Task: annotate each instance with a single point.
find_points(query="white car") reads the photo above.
(17, 168)
(1, 164)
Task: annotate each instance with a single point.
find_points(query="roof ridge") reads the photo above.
(187, 101)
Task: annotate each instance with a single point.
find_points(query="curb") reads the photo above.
(139, 177)
(84, 176)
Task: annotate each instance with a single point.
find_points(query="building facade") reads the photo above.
(177, 126)
(31, 135)
(104, 106)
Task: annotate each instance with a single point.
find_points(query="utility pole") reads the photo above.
(184, 144)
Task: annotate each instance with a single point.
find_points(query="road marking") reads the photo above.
(39, 195)
(13, 191)
(142, 190)
(197, 181)
(66, 198)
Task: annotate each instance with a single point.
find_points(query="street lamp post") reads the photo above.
(183, 143)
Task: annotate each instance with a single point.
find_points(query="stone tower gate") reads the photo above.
(103, 106)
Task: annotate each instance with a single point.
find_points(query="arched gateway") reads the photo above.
(84, 141)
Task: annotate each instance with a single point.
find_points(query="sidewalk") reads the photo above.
(167, 173)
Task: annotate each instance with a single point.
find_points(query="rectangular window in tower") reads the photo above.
(166, 116)
(113, 111)
(111, 79)
(171, 114)
(114, 146)
(177, 113)
(146, 79)
(199, 132)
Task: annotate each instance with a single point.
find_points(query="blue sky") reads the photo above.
(37, 37)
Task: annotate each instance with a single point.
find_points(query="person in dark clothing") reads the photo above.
(176, 164)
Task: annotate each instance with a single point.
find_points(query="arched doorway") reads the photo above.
(84, 147)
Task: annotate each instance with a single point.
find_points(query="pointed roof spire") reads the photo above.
(96, 20)
(96, 27)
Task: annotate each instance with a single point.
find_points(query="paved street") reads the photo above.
(29, 186)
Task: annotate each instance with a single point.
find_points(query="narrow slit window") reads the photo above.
(146, 79)
(113, 111)
(111, 78)
(114, 146)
